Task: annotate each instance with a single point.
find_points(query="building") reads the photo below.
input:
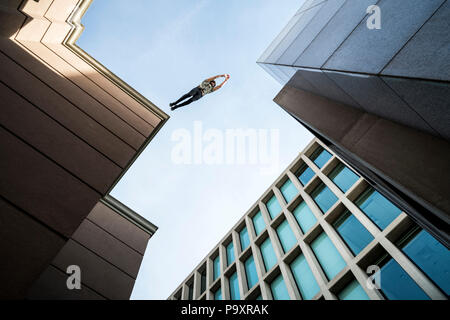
(69, 130)
(377, 95)
(313, 235)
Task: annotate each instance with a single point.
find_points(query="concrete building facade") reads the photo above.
(370, 78)
(319, 232)
(69, 130)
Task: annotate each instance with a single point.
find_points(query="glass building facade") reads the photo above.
(317, 243)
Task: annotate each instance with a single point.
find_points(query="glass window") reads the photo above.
(343, 177)
(230, 253)
(218, 294)
(304, 278)
(396, 284)
(380, 210)
(234, 287)
(324, 198)
(353, 232)
(288, 190)
(304, 217)
(273, 207)
(431, 256)
(250, 271)
(328, 256)
(278, 288)
(190, 292)
(305, 174)
(243, 236)
(353, 291)
(286, 236)
(202, 281)
(216, 267)
(258, 223)
(268, 254)
(320, 157)
(259, 297)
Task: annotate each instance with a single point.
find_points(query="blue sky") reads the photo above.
(163, 49)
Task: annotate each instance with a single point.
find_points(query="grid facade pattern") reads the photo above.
(279, 250)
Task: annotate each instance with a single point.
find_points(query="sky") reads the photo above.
(163, 49)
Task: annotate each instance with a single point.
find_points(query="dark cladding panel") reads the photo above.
(369, 51)
(26, 248)
(42, 188)
(427, 54)
(334, 33)
(96, 273)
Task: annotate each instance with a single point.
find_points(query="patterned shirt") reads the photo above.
(206, 87)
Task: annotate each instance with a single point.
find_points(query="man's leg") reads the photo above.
(187, 95)
(183, 104)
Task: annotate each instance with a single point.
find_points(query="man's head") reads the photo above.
(213, 83)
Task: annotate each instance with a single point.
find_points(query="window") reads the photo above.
(320, 157)
(202, 281)
(381, 211)
(353, 291)
(286, 236)
(258, 223)
(216, 267)
(353, 232)
(218, 294)
(304, 278)
(278, 288)
(429, 255)
(305, 174)
(288, 190)
(243, 236)
(268, 254)
(328, 256)
(234, 287)
(304, 217)
(343, 177)
(190, 292)
(258, 297)
(230, 253)
(323, 197)
(273, 207)
(250, 271)
(396, 284)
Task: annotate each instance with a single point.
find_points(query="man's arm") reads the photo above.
(214, 78)
(227, 76)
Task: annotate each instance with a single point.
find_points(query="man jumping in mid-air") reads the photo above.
(207, 86)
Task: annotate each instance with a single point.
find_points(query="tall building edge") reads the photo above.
(70, 129)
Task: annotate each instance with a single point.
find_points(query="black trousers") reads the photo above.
(194, 95)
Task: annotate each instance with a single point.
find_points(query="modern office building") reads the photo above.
(69, 130)
(314, 235)
(370, 78)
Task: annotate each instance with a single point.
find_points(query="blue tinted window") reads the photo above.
(273, 207)
(216, 267)
(259, 297)
(250, 271)
(353, 232)
(304, 217)
(380, 210)
(243, 236)
(306, 283)
(288, 190)
(396, 284)
(353, 291)
(234, 287)
(432, 257)
(324, 198)
(230, 253)
(305, 174)
(218, 294)
(328, 256)
(320, 157)
(258, 223)
(343, 177)
(202, 281)
(286, 236)
(279, 290)
(268, 254)
(190, 292)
